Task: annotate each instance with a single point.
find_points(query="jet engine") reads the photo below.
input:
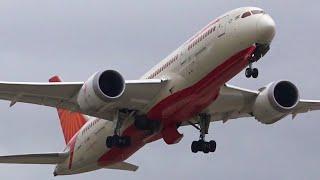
(275, 101)
(101, 88)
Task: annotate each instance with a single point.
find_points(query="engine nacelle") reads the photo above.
(275, 101)
(101, 88)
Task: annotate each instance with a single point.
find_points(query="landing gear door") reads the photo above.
(222, 27)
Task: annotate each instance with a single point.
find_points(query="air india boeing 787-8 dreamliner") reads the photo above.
(106, 119)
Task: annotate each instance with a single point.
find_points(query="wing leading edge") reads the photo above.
(63, 95)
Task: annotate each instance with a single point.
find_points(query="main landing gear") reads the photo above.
(141, 122)
(259, 52)
(201, 144)
(116, 140)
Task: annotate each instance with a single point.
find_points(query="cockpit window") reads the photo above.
(246, 14)
(257, 12)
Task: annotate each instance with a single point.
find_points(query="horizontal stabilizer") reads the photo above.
(123, 166)
(48, 158)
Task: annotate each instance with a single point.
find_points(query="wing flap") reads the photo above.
(48, 158)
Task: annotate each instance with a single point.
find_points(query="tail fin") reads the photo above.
(71, 122)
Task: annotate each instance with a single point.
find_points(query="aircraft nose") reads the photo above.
(266, 29)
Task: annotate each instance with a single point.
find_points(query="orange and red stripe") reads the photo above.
(71, 122)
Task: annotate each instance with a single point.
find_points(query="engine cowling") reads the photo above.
(101, 88)
(275, 101)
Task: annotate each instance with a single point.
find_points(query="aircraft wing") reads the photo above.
(48, 158)
(234, 102)
(138, 93)
(306, 106)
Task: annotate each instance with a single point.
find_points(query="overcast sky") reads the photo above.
(75, 38)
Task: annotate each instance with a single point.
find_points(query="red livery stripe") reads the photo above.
(181, 106)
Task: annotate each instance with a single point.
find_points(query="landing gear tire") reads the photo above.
(203, 146)
(118, 141)
(248, 72)
(252, 72)
(195, 146)
(255, 73)
(212, 146)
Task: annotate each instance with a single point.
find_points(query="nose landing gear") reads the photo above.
(202, 145)
(259, 52)
(251, 72)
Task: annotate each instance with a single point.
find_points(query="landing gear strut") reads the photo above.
(201, 144)
(116, 140)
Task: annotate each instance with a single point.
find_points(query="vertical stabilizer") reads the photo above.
(71, 122)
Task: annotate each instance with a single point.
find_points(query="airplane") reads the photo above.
(106, 119)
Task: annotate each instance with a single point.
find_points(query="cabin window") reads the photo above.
(246, 14)
(237, 17)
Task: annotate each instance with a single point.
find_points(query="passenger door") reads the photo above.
(222, 27)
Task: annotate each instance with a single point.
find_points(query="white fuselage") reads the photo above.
(191, 62)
